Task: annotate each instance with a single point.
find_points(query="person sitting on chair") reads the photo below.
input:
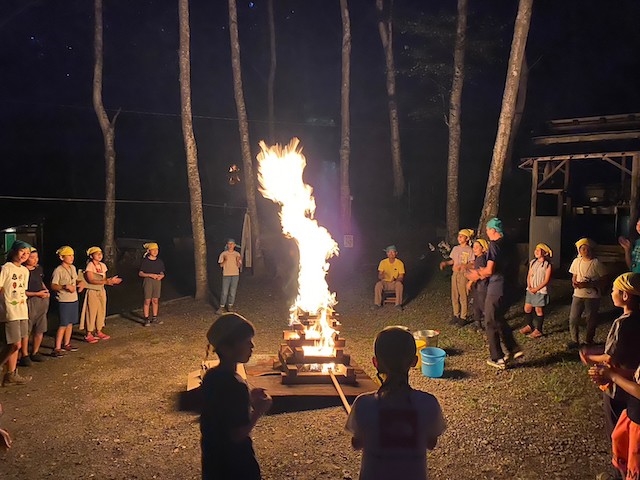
(390, 277)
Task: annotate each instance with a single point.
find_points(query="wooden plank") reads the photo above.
(634, 194)
(586, 137)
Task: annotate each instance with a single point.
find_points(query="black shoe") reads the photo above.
(398, 307)
(147, 322)
(375, 306)
(37, 357)
(573, 345)
(454, 321)
(25, 362)
(156, 321)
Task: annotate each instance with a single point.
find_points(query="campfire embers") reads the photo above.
(305, 358)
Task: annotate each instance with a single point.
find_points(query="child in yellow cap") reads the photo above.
(537, 294)
(461, 259)
(587, 276)
(152, 272)
(66, 284)
(229, 409)
(614, 371)
(395, 425)
(478, 287)
(94, 309)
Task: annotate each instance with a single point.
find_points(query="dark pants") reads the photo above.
(590, 308)
(497, 328)
(479, 297)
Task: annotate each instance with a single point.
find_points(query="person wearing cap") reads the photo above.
(537, 294)
(632, 249)
(66, 284)
(14, 324)
(496, 326)
(390, 278)
(94, 308)
(152, 272)
(231, 262)
(38, 303)
(614, 370)
(587, 278)
(229, 409)
(478, 288)
(460, 259)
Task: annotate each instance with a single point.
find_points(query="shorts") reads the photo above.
(68, 313)
(38, 308)
(13, 331)
(151, 288)
(536, 299)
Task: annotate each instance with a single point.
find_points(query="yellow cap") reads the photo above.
(64, 251)
(467, 232)
(628, 282)
(92, 250)
(483, 243)
(545, 248)
(151, 246)
(584, 241)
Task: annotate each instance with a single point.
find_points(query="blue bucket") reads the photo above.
(432, 361)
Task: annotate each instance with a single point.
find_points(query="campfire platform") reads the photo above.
(259, 373)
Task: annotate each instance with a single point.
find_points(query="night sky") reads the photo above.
(583, 55)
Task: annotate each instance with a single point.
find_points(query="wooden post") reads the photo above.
(338, 388)
(635, 184)
(534, 189)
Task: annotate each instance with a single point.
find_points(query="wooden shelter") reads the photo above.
(585, 176)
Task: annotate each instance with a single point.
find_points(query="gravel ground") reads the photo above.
(109, 410)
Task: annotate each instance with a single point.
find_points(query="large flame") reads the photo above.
(280, 172)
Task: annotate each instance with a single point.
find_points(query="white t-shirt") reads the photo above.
(394, 434)
(14, 281)
(587, 271)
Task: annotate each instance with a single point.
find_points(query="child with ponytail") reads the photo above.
(396, 425)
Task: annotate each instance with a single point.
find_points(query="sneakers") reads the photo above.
(156, 321)
(220, 311)
(499, 364)
(90, 338)
(37, 357)
(230, 308)
(103, 336)
(14, 378)
(526, 330)
(25, 362)
(375, 306)
(57, 353)
(147, 322)
(398, 307)
(513, 356)
(535, 334)
(573, 345)
(70, 348)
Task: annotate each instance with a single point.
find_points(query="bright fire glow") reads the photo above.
(280, 171)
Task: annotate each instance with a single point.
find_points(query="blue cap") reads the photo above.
(19, 245)
(495, 224)
(390, 248)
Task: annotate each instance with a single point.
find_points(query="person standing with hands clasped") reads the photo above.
(461, 259)
(230, 410)
(231, 262)
(94, 309)
(390, 278)
(66, 284)
(537, 295)
(396, 425)
(152, 272)
(587, 273)
(38, 302)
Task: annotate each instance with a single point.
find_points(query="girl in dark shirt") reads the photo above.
(230, 410)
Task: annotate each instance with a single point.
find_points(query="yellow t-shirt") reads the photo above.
(391, 270)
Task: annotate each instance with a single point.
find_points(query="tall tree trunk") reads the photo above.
(521, 102)
(243, 127)
(385, 27)
(108, 133)
(345, 129)
(193, 174)
(505, 123)
(272, 74)
(455, 112)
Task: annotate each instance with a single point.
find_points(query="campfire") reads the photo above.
(311, 351)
